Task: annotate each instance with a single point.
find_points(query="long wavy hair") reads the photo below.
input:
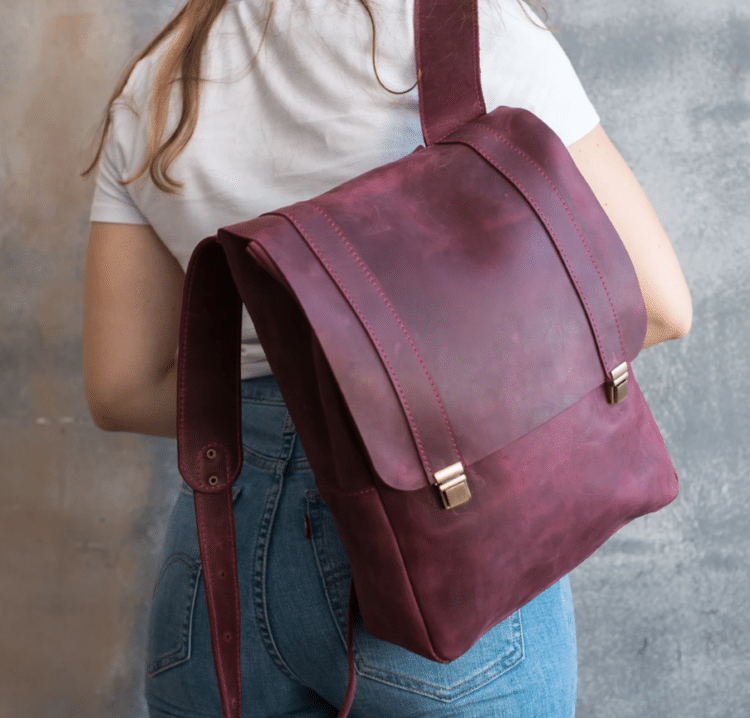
(189, 31)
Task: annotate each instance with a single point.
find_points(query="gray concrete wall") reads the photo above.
(662, 609)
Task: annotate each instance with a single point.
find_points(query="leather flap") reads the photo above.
(514, 292)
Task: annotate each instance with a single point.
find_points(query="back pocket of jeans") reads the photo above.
(170, 623)
(171, 617)
(497, 652)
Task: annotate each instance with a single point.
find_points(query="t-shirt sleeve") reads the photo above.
(523, 65)
(112, 202)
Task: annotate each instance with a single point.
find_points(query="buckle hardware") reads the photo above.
(617, 389)
(454, 489)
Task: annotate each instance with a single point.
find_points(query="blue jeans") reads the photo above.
(294, 587)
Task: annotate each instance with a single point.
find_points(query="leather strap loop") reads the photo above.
(209, 443)
(553, 210)
(410, 378)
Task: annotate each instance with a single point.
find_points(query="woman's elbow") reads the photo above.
(682, 326)
(108, 395)
(672, 322)
(118, 403)
(103, 409)
(681, 315)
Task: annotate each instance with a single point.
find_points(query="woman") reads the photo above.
(273, 126)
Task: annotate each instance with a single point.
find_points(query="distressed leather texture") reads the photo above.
(465, 303)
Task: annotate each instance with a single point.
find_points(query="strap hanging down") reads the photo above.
(209, 445)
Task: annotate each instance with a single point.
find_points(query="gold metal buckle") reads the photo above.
(454, 489)
(617, 390)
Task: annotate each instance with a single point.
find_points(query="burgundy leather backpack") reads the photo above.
(453, 335)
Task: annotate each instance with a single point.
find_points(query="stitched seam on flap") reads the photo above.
(388, 304)
(374, 338)
(534, 164)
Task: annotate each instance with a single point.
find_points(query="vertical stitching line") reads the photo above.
(539, 210)
(209, 578)
(388, 304)
(385, 299)
(572, 219)
(260, 573)
(234, 569)
(181, 374)
(374, 338)
(237, 394)
(319, 562)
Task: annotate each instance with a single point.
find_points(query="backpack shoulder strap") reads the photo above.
(209, 448)
(446, 34)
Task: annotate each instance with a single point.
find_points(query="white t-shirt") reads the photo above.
(309, 114)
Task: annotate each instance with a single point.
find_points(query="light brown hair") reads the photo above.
(188, 32)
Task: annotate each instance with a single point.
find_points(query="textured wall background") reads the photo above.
(662, 609)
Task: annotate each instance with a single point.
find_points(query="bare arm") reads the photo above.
(669, 308)
(131, 321)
